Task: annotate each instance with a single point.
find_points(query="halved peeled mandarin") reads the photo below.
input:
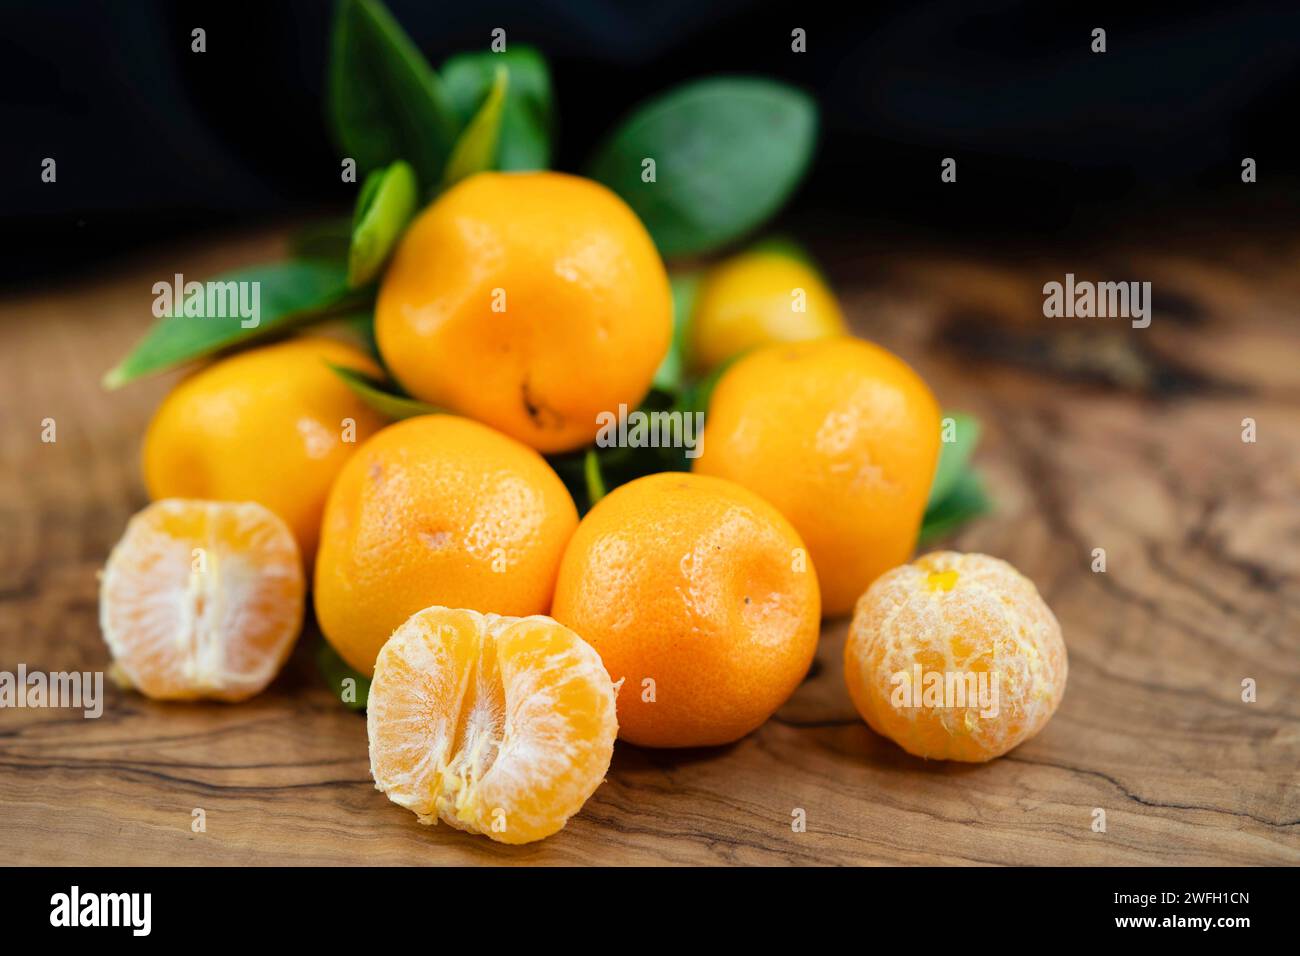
(496, 725)
(202, 599)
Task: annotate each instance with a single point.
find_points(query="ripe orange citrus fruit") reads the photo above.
(271, 425)
(955, 657)
(842, 437)
(756, 298)
(699, 595)
(202, 599)
(529, 301)
(497, 725)
(436, 510)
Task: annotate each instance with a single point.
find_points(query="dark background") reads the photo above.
(1054, 144)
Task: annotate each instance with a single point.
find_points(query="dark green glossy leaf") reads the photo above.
(385, 101)
(954, 455)
(964, 502)
(376, 394)
(595, 483)
(527, 119)
(572, 470)
(695, 396)
(288, 294)
(362, 326)
(327, 239)
(591, 473)
(785, 246)
(727, 153)
(384, 208)
(672, 369)
(475, 151)
(335, 670)
(369, 189)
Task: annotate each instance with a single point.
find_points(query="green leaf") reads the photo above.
(327, 239)
(361, 325)
(369, 189)
(335, 670)
(287, 295)
(782, 245)
(963, 503)
(591, 474)
(527, 119)
(572, 469)
(374, 394)
(385, 101)
(954, 455)
(695, 396)
(476, 148)
(727, 153)
(672, 369)
(384, 208)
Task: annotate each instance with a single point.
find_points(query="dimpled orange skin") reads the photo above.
(265, 425)
(965, 614)
(701, 587)
(587, 308)
(436, 510)
(749, 300)
(843, 438)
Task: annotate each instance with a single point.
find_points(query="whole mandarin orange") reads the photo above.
(698, 595)
(442, 510)
(531, 302)
(758, 297)
(272, 425)
(842, 437)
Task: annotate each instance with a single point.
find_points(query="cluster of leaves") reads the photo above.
(957, 492)
(727, 152)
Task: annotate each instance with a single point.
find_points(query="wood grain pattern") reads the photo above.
(1096, 436)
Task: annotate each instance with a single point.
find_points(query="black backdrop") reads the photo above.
(155, 143)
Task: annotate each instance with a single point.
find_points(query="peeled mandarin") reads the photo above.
(502, 726)
(202, 599)
(955, 657)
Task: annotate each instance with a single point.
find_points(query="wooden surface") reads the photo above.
(1097, 435)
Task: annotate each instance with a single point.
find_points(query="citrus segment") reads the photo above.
(202, 599)
(497, 725)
